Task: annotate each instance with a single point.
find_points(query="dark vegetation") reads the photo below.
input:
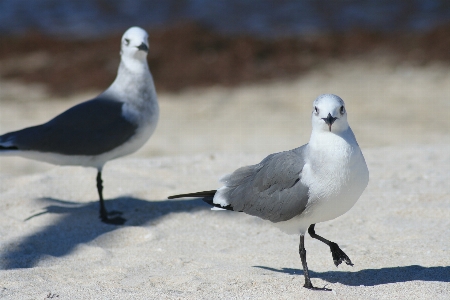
(188, 55)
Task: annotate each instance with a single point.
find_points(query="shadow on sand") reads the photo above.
(80, 224)
(372, 277)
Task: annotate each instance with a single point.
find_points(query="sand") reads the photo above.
(52, 244)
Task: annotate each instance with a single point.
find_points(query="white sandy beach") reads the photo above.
(397, 235)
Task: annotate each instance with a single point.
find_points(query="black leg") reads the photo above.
(338, 255)
(103, 213)
(302, 252)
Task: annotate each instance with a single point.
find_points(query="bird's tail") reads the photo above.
(207, 196)
(4, 148)
(6, 143)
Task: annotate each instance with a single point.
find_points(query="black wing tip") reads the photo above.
(8, 148)
(207, 197)
(195, 195)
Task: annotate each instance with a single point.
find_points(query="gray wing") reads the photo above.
(90, 128)
(272, 189)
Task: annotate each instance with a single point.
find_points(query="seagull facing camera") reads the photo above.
(296, 189)
(116, 123)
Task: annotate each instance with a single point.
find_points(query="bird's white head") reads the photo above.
(329, 114)
(134, 44)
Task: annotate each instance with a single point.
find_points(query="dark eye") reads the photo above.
(342, 110)
(127, 42)
(316, 109)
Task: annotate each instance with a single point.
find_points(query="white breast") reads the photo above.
(336, 174)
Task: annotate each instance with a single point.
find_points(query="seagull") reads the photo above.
(116, 123)
(296, 189)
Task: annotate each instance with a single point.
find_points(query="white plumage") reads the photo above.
(296, 189)
(116, 123)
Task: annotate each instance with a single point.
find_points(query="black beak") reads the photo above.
(329, 120)
(143, 47)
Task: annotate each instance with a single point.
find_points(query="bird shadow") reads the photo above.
(79, 224)
(372, 277)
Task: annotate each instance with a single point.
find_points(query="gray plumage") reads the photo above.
(89, 128)
(296, 189)
(271, 189)
(116, 123)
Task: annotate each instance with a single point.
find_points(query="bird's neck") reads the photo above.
(133, 81)
(329, 146)
(134, 65)
(132, 72)
(322, 139)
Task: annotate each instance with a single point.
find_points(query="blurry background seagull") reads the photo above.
(296, 189)
(116, 123)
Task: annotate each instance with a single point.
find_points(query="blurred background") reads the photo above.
(72, 45)
(237, 76)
